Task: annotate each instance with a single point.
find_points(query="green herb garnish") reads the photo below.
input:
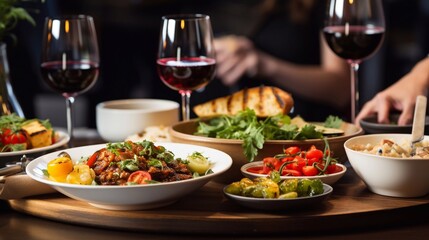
(333, 122)
(246, 126)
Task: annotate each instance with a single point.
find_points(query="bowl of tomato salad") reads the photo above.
(296, 162)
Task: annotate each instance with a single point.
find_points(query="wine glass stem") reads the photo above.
(186, 96)
(69, 105)
(354, 67)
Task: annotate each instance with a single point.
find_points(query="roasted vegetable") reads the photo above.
(59, 168)
(267, 188)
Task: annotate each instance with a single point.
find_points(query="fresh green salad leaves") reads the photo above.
(333, 122)
(246, 126)
(15, 122)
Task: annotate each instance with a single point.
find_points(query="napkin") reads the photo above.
(20, 186)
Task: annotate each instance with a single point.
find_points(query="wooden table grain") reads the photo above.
(350, 206)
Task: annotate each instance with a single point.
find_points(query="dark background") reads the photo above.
(128, 32)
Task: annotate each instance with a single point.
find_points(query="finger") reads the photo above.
(366, 110)
(227, 65)
(235, 73)
(383, 109)
(406, 116)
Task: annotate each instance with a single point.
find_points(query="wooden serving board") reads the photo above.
(351, 206)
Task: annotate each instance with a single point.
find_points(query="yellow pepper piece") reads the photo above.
(59, 168)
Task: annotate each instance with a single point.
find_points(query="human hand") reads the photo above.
(235, 56)
(400, 96)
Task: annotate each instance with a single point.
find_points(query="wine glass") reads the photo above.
(354, 30)
(186, 55)
(70, 58)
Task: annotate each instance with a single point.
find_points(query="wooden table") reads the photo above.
(351, 211)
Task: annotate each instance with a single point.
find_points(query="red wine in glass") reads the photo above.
(186, 55)
(71, 77)
(188, 73)
(70, 58)
(354, 30)
(353, 43)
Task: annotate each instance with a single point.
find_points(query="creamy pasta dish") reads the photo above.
(389, 148)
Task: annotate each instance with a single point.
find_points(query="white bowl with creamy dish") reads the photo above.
(385, 165)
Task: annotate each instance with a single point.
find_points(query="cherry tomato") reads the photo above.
(291, 172)
(312, 161)
(298, 163)
(13, 137)
(139, 177)
(310, 171)
(314, 153)
(272, 163)
(292, 151)
(333, 168)
(287, 159)
(320, 166)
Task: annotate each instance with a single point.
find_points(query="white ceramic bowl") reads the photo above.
(131, 197)
(329, 179)
(118, 119)
(389, 176)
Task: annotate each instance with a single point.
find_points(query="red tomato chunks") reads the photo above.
(13, 137)
(292, 151)
(295, 162)
(310, 171)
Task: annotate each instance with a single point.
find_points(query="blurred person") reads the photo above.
(400, 96)
(286, 49)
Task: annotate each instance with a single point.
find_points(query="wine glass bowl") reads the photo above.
(354, 30)
(70, 58)
(186, 55)
(355, 43)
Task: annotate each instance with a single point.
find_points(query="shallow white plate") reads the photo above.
(273, 204)
(63, 138)
(131, 197)
(327, 178)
